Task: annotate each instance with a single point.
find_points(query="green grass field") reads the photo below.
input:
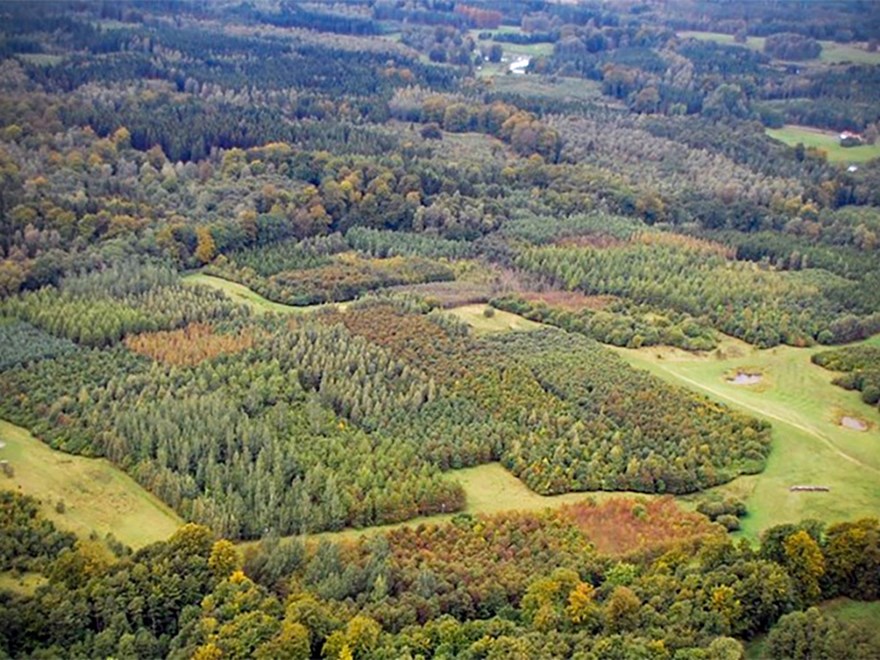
(827, 141)
(242, 294)
(23, 584)
(854, 612)
(809, 445)
(511, 50)
(97, 496)
(832, 52)
(561, 88)
(499, 322)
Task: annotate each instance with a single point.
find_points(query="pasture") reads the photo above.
(97, 497)
(810, 447)
(827, 141)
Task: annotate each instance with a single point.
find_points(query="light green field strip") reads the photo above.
(97, 496)
(827, 141)
(499, 322)
(242, 294)
(809, 445)
(24, 584)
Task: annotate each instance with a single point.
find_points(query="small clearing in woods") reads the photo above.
(97, 496)
(499, 321)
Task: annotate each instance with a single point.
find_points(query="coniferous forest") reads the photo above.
(296, 270)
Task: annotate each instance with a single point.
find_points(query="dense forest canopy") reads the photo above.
(231, 234)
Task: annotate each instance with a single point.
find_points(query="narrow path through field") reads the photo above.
(760, 412)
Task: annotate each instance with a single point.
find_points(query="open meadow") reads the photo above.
(827, 141)
(810, 446)
(84, 495)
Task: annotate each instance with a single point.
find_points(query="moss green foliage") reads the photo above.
(486, 584)
(29, 541)
(389, 244)
(536, 230)
(22, 342)
(726, 512)
(101, 307)
(183, 432)
(291, 254)
(762, 307)
(861, 365)
(642, 442)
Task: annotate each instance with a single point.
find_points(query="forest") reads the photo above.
(299, 270)
(512, 585)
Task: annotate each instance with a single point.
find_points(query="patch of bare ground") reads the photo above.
(570, 301)
(745, 378)
(854, 423)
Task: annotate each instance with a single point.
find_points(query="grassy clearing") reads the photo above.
(97, 496)
(755, 43)
(511, 50)
(832, 52)
(242, 294)
(856, 53)
(809, 445)
(827, 141)
(562, 88)
(498, 322)
(469, 148)
(854, 612)
(23, 584)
